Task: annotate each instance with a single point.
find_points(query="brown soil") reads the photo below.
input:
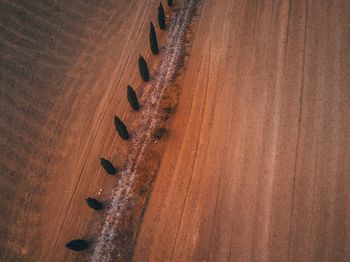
(65, 66)
(255, 164)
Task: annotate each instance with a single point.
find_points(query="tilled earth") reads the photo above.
(254, 164)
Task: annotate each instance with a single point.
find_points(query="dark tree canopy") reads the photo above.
(153, 40)
(94, 204)
(170, 2)
(108, 166)
(77, 245)
(161, 17)
(121, 128)
(143, 68)
(132, 98)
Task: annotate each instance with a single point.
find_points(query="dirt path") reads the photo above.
(124, 196)
(257, 164)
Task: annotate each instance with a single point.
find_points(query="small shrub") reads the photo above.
(161, 17)
(94, 203)
(160, 133)
(108, 166)
(121, 128)
(77, 245)
(132, 98)
(153, 40)
(143, 68)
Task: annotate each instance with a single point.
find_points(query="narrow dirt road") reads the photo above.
(257, 164)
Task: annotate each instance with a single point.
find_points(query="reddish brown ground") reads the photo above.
(256, 166)
(65, 66)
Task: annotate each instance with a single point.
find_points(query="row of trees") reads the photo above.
(81, 244)
(143, 70)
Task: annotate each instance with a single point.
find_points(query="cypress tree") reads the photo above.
(161, 17)
(153, 40)
(121, 128)
(132, 98)
(94, 204)
(77, 245)
(170, 2)
(143, 68)
(108, 166)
